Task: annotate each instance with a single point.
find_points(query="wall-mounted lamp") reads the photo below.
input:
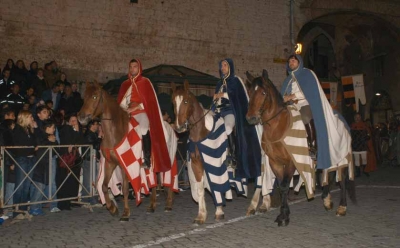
(298, 48)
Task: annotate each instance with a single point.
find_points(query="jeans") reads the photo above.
(87, 180)
(21, 183)
(9, 191)
(52, 183)
(183, 175)
(36, 194)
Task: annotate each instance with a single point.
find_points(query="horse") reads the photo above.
(266, 107)
(191, 116)
(115, 124)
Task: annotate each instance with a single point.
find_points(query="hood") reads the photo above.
(140, 70)
(231, 72)
(301, 64)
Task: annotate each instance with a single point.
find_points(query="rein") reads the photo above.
(262, 110)
(98, 103)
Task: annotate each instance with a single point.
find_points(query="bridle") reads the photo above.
(98, 103)
(187, 124)
(263, 109)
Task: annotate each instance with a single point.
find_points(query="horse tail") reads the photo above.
(351, 190)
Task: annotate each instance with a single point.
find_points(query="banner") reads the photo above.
(354, 92)
(331, 92)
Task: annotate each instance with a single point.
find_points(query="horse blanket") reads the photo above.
(129, 153)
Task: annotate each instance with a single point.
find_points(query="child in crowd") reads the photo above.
(40, 173)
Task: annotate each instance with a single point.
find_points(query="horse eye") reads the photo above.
(264, 93)
(94, 97)
(185, 102)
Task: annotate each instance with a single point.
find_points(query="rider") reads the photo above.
(303, 88)
(137, 97)
(231, 102)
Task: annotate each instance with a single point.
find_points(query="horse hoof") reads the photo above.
(287, 222)
(219, 217)
(263, 210)
(123, 219)
(114, 213)
(150, 210)
(341, 211)
(198, 221)
(279, 222)
(329, 208)
(251, 212)
(167, 209)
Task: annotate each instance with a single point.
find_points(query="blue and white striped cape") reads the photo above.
(213, 152)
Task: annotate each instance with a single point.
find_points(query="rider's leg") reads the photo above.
(229, 125)
(308, 121)
(143, 121)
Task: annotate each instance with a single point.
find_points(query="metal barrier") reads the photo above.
(6, 151)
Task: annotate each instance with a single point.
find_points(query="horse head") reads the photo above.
(182, 101)
(264, 97)
(91, 103)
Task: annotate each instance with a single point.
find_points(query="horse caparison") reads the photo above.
(266, 107)
(115, 121)
(190, 116)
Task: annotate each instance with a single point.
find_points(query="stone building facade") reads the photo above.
(94, 39)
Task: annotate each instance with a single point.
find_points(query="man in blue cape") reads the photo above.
(231, 103)
(303, 88)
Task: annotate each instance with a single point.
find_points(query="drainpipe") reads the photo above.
(293, 43)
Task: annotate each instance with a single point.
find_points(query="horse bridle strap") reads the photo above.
(100, 100)
(266, 122)
(190, 125)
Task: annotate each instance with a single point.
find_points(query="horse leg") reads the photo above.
(341, 210)
(266, 204)
(170, 199)
(251, 210)
(219, 213)
(109, 169)
(326, 195)
(125, 191)
(153, 200)
(198, 171)
(284, 174)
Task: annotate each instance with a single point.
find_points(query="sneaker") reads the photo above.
(55, 210)
(36, 212)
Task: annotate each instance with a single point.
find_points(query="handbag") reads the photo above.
(71, 159)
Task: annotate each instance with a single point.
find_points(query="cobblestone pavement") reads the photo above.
(374, 222)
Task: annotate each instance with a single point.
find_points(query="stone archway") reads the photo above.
(363, 43)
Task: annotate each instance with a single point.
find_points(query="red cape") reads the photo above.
(159, 151)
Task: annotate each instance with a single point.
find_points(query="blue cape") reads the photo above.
(248, 148)
(309, 85)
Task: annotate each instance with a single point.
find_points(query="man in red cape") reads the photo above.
(137, 97)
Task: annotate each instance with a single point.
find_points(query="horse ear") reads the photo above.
(186, 85)
(96, 84)
(249, 76)
(265, 75)
(173, 87)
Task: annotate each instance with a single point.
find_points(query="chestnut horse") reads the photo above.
(114, 121)
(266, 106)
(191, 116)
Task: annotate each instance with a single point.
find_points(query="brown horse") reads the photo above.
(266, 106)
(115, 121)
(190, 116)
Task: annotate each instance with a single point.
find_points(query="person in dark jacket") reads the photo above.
(91, 138)
(69, 102)
(52, 94)
(19, 74)
(40, 173)
(38, 83)
(9, 65)
(14, 100)
(23, 135)
(71, 134)
(5, 84)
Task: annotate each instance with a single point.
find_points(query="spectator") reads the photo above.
(70, 103)
(32, 104)
(91, 138)
(23, 135)
(54, 95)
(74, 87)
(9, 65)
(52, 74)
(38, 83)
(40, 174)
(360, 136)
(48, 77)
(63, 78)
(30, 91)
(61, 84)
(70, 134)
(14, 100)
(181, 157)
(19, 74)
(5, 84)
(33, 68)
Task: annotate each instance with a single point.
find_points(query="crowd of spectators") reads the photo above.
(38, 108)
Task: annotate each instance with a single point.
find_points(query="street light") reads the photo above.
(298, 48)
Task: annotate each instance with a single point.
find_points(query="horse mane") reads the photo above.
(269, 87)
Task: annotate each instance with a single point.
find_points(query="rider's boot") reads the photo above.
(311, 139)
(146, 142)
(232, 150)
